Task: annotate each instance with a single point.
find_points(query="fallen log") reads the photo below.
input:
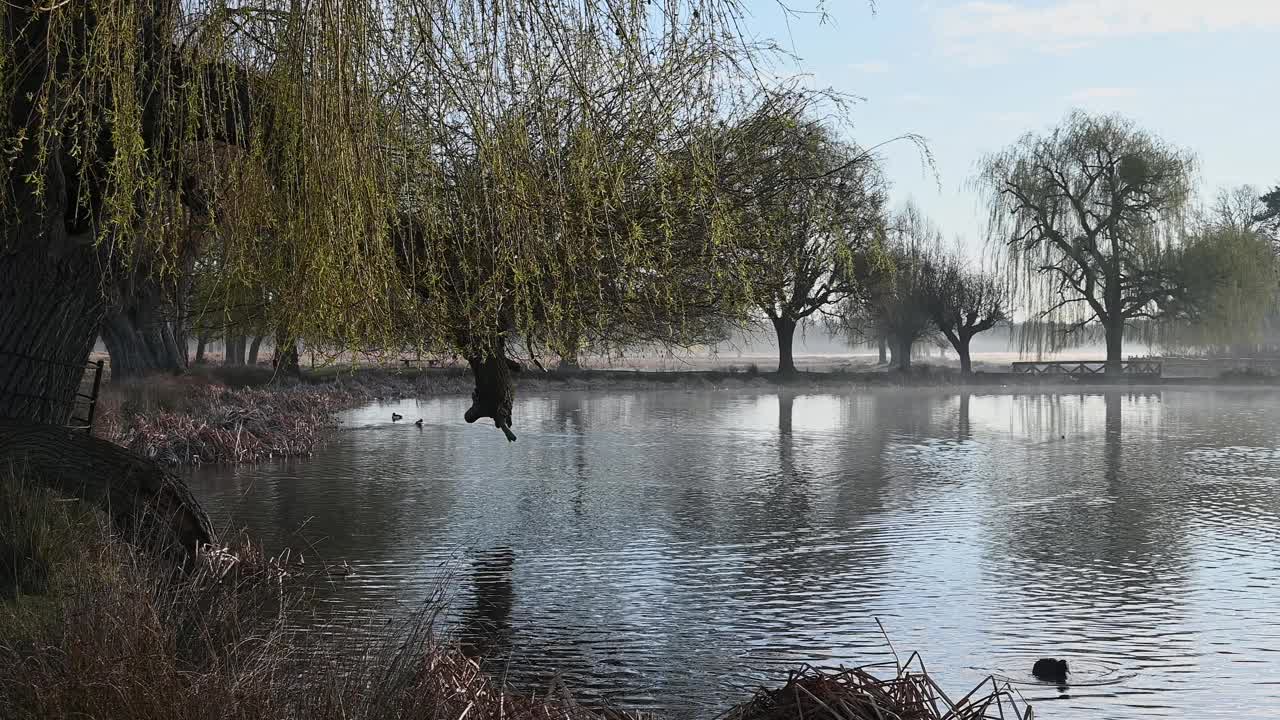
(148, 505)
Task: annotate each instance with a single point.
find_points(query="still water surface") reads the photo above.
(674, 550)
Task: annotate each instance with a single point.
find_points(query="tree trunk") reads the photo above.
(786, 330)
(254, 345)
(50, 311)
(1115, 349)
(966, 364)
(233, 350)
(903, 355)
(495, 389)
(285, 358)
(149, 505)
(51, 301)
(884, 350)
(201, 339)
(139, 347)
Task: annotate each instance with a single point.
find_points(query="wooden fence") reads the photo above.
(1086, 368)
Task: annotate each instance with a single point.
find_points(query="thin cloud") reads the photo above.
(1095, 94)
(1062, 25)
(873, 67)
(916, 100)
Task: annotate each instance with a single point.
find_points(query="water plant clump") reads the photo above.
(861, 693)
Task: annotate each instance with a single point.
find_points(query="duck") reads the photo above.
(419, 423)
(1051, 670)
(395, 417)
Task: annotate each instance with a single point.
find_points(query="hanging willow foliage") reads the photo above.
(457, 172)
(565, 194)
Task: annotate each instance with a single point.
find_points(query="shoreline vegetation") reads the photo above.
(93, 627)
(248, 414)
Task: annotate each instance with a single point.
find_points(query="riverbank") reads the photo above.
(237, 415)
(93, 628)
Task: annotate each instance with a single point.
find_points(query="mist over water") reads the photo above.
(673, 550)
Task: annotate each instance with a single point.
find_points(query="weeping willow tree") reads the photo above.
(477, 171)
(1088, 216)
(125, 125)
(572, 194)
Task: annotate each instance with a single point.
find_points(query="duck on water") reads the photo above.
(1050, 670)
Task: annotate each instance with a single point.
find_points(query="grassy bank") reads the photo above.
(92, 629)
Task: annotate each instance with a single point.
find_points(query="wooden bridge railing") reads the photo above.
(1085, 368)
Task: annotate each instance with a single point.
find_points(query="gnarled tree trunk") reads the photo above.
(50, 298)
(140, 347)
(50, 311)
(148, 505)
(495, 389)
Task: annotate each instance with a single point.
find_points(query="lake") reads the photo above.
(673, 550)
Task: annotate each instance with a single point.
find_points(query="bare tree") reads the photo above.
(963, 303)
(1238, 209)
(1269, 214)
(1086, 215)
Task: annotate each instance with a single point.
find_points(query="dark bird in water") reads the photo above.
(1050, 669)
(419, 423)
(396, 416)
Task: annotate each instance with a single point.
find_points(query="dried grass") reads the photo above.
(859, 694)
(198, 419)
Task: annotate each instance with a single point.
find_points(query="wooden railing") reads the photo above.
(1086, 368)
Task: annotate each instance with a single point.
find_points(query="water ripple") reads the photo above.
(673, 551)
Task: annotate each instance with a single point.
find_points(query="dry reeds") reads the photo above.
(858, 694)
(198, 419)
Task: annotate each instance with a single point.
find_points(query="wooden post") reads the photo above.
(93, 399)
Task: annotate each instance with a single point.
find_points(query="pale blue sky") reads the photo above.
(972, 76)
